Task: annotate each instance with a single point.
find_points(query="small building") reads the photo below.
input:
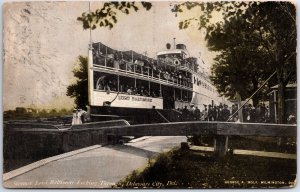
(290, 102)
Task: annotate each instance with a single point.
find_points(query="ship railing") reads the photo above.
(132, 67)
(184, 68)
(125, 93)
(149, 77)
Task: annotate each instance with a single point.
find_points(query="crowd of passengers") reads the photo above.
(157, 69)
(258, 114)
(130, 90)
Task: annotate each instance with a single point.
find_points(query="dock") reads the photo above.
(90, 167)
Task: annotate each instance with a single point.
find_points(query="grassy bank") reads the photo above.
(178, 169)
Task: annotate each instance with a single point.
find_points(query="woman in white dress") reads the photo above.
(76, 117)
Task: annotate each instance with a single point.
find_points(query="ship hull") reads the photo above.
(123, 100)
(134, 115)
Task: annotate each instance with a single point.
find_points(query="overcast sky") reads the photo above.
(42, 41)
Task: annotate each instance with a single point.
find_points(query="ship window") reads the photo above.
(98, 55)
(190, 95)
(99, 80)
(127, 85)
(111, 83)
(177, 94)
(184, 95)
(110, 62)
(122, 64)
(98, 60)
(104, 81)
(142, 88)
(154, 90)
(138, 68)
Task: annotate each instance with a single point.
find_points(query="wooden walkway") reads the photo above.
(249, 152)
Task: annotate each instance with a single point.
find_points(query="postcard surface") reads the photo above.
(149, 94)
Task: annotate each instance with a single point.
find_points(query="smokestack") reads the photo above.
(174, 43)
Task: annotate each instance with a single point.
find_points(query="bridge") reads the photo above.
(97, 138)
(108, 132)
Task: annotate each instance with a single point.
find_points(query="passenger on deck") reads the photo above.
(146, 94)
(129, 91)
(113, 85)
(100, 86)
(153, 94)
(141, 91)
(134, 91)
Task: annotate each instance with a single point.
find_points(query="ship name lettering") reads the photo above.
(141, 99)
(124, 98)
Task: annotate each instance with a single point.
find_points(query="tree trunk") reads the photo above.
(281, 103)
(255, 100)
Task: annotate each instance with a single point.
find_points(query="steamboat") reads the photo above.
(129, 84)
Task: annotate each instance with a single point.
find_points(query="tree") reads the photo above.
(79, 90)
(107, 15)
(278, 37)
(254, 40)
(239, 53)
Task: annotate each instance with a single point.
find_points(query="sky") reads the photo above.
(42, 41)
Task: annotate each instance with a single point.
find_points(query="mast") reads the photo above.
(90, 26)
(90, 71)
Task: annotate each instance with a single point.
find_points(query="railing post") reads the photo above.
(65, 142)
(220, 145)
(111, 139)
(104, 138)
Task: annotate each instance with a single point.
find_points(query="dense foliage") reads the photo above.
(178, 169)
(254, 39)
(79, 90)
(108, 15)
